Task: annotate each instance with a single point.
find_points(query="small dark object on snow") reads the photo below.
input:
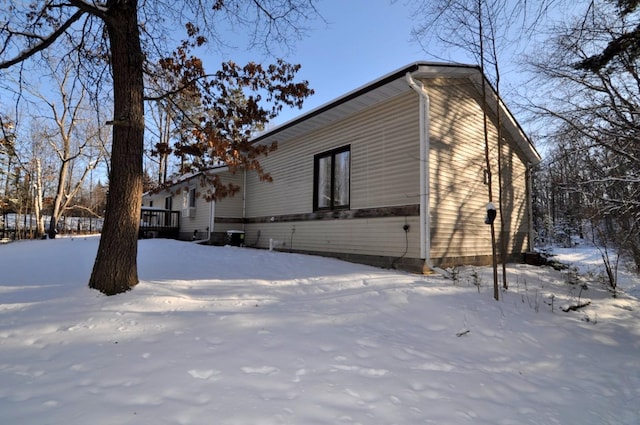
(576, 306)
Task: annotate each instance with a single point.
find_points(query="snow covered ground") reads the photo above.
(234, 336)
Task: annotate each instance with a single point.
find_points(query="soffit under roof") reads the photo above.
(386, 87)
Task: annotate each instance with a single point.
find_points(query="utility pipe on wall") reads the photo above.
(425, 174)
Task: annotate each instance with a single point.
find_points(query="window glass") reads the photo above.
(192, 197)
(168, 205)
(333, 174)
(324, 182)
(341, 179)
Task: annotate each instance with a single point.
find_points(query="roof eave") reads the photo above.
(396, 78)
(354, 94)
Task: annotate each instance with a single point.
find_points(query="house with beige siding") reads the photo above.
(181, 210)
(392, 174)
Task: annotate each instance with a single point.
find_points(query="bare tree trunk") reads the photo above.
(503, 229)
(57, 203)
(115, 268)
(38, 200)
(494, 260)
(504, 232)
(8, 173)
(164, 155)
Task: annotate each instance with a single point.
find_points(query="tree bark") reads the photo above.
(38, 200)
(57, 203)
(115, 268)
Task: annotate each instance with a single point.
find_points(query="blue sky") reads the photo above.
(361, 41)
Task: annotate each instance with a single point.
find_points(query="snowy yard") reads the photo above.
(233, 336)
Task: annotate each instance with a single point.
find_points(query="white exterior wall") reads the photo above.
(384, 173)
(198, 218)
(458, 191)
(194, 221)
(384, 187)
(229, 211)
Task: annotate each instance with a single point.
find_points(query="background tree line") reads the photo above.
(54, 166)
(581, 100)
(124, 54)
(589, 183)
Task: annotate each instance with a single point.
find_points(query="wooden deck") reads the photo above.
(158, 223)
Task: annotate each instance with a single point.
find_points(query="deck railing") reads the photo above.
(159, 223)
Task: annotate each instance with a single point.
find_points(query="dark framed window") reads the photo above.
(332, 179)
(168, 205)
(192, 197)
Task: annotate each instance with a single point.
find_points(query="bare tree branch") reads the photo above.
(45, 42)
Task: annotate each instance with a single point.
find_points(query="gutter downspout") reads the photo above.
(425, 174)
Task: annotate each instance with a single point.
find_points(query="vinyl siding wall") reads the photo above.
(228, 211)
(514, 197)
(458, 191)
(195, 219)
(384, 173)
(155, 200)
